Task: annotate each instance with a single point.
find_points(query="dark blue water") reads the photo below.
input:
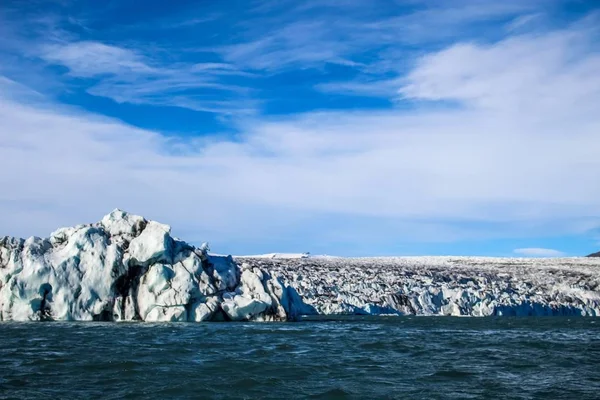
(358, 357)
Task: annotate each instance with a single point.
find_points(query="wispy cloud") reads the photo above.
(376, 47)
(343, 30)
(90, 59)
(186, 23)
(538, 252)
(132, 72)
(127, 76)
(300, 44)
(523, 21)
(375, 88)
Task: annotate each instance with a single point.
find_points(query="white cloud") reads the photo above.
(127, 76)
(538, 252)
(376, 48)
(90, 59)
(344, 33)
(533, 73)
(517, 156)
(450, 19)
(375, 88)
(300, 44)
(523, 21)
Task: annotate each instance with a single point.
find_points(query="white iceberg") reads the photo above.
(126, 268)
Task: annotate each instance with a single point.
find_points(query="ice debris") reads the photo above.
(454, 286)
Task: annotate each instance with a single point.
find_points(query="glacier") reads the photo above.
(128, 268)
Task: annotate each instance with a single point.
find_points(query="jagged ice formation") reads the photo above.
(473, 286)
(126, 268)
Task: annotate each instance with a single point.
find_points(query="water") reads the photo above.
(357, 357)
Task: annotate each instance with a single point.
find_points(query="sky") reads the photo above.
(339, 127)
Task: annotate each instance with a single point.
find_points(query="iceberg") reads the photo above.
(127, 268)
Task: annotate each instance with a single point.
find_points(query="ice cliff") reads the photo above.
(126, 268)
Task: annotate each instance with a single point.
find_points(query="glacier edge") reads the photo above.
(127, 268)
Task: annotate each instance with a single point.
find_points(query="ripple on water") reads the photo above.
(362, 358)
(335, 393)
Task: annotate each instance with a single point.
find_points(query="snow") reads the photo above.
(279, 255)
(126, 268)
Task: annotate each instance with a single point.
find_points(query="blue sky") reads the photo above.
(343, 127)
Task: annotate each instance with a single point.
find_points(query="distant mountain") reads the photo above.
(595, 254)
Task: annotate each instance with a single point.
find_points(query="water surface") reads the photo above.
(356, 357)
